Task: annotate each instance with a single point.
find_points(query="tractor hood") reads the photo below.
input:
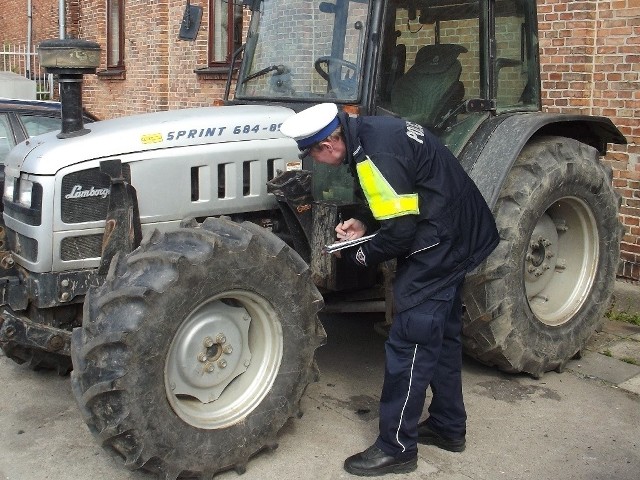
(47, 154)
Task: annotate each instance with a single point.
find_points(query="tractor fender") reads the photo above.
(490, 154)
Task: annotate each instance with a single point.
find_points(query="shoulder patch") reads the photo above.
(415, 132)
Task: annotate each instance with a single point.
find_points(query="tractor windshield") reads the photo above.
(308, 50)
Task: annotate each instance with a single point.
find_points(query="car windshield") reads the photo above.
(312, 51)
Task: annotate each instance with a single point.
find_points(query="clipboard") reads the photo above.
(334, 247)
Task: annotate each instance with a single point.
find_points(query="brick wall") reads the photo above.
(590, 64)
(159, 67)
(13, 21)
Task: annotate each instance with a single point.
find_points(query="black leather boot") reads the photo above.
(428, 436)
(373, 462)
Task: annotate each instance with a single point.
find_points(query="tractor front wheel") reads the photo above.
(197, 349)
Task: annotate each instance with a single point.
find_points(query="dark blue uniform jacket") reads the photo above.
(454, 231)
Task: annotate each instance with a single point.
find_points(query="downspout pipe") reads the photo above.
(29, 35)
(62, 24)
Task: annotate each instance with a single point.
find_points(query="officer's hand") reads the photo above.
(350, 229)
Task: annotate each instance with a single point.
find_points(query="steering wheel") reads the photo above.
(333, 78)
(328, 60)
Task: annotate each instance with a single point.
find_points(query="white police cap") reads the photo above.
(311, 125)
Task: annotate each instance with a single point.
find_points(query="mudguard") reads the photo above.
(490, 154)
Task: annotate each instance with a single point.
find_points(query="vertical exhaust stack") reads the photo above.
(70, 59)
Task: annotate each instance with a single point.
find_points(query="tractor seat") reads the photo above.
(431, 87)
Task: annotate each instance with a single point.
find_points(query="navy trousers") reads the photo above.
(423, 349)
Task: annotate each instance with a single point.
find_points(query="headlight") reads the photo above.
(24, 192)
(9, 187)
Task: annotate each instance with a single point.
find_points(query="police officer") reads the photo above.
(434, 221)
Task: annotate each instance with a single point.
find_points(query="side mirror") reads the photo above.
(190, 22)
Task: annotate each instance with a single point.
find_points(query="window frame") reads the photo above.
(115, 64)
(231, 33)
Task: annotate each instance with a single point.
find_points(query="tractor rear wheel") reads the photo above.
(534, 303)
(197, 349)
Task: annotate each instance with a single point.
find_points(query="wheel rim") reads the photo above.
(561, 261)
(223, 359)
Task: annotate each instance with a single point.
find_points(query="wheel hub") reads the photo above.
(561, 260)
(209, 351)
(223, 359)
(541, 256)
(537, 252)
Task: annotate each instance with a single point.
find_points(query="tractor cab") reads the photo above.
(448, 65)
(445, 64)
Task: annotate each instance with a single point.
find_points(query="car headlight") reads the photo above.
(9, 187)
(25, 191)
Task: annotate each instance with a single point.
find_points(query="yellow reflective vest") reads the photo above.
(383, 200)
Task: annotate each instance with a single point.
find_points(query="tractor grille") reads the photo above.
(85, 195)
(79, 248)
(23, 246)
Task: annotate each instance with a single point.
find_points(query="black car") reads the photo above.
(21, 119)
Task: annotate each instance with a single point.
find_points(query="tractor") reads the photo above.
(174, 260)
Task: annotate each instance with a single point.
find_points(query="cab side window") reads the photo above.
(430, 61)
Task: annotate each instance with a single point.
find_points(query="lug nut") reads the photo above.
(209, 367)
(227, 349)
(208, 342)
(202, 357)
(221, 339)
(222, 363)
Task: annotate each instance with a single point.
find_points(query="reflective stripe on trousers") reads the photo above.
(423, 349)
